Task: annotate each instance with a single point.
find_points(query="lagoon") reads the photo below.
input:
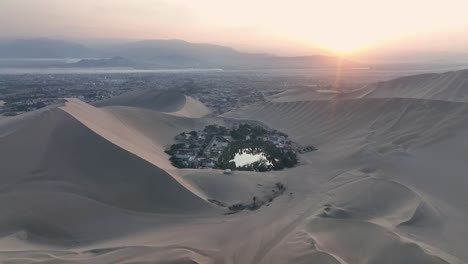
(248, 156)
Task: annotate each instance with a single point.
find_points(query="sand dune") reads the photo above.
(89, 167)
(67, 159)
(386, 186)
(391, 124)
(381, 195)
(315, 94)
(449, 86)
(171, 102)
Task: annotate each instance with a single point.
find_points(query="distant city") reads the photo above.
(220, 91)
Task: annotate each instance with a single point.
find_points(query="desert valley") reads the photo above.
(233, 132)
(91, 183)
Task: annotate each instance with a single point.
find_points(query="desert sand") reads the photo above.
(92, 184)
(448, 86)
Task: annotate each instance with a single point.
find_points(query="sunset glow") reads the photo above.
(285, 27)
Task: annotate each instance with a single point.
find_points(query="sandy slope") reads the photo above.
(67, 185)
(171, 102)
(395, 202)
(449, 86)
(94, 186)
(87, 175)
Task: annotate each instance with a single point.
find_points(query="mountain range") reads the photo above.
(154, 54)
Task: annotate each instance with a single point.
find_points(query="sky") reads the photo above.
(291, 27)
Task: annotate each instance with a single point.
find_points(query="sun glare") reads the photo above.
(343, 46)
(341, 49)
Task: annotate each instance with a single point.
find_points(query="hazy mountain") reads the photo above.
(153, 54)
(178, 52)
(97, 63)
(150, 49)
(44, 48)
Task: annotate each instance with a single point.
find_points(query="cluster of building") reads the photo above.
(24, 93)
(198, 149)
(280, 141)
(220, 91)
(203, 149)
(306, 149)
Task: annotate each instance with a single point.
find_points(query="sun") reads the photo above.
(340, 50)
(343, 46)
(340, 43)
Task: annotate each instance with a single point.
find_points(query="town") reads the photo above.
(220, 91)
(243, 147)
(29, 92)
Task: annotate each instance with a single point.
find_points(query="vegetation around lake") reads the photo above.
(219, 147)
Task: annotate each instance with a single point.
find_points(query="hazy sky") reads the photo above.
(285, 27)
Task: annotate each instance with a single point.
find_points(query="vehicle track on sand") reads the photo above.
(286, 230)
(265, 249)
(304, 216)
